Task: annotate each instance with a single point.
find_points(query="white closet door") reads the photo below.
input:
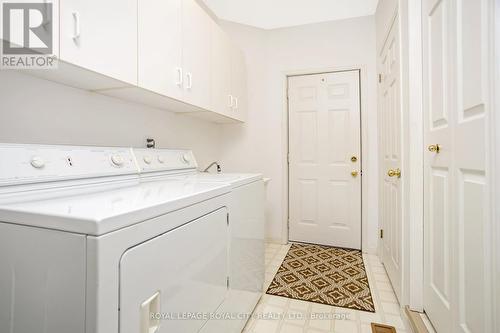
(457, 249)
(390, 132)
(325, 198)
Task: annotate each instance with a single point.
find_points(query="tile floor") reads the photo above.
(276, 314)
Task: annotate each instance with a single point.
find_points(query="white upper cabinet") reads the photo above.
(222, 98)
(168, 54)
(239, 84)
(196, 45)
(100, 36)
(160, 47)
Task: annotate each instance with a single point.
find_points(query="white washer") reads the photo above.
(246, 227)
(86, 247)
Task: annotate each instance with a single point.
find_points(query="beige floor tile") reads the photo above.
(346, 326)
(277, 301)
(381, 277)
(369, 317)
(395, 321)
(315, 330)
(321, 308)
(290, 328)
(266, 326)
(321, 324)
(271, 310)
(300, 305)
(383, 285)
(296, 317)
(347, 314)
(366, 328)
(387, 296)
(391, 308)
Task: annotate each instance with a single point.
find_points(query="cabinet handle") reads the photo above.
(236, 102)
(230, 100)
(76, 20)
(178, 81)
(190, 80)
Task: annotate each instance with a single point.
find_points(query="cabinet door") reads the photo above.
(222, 100)
(100, 36)
(196, 26)
(160, 47)
(239, 83)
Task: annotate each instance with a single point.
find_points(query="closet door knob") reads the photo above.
(394, 173)
(434, 148)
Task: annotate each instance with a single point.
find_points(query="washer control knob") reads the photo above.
(37, 162)
(147, 159)
(161, 159)
(186, 158)
(117, 160)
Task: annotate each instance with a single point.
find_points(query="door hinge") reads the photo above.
(288, 158)
(227, 218)
(381, 233)
(227, 282)
(380, 78)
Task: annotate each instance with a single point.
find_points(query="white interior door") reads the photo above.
(390, 146)
(324, 160)
(457, 245)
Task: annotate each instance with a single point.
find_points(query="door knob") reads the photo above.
(394, 173)
(354, 173)
(434, 148)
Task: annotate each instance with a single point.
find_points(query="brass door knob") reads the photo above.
(434, 148)
(394, 173)
(354, 173)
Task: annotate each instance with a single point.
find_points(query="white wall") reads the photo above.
(34, 110)
(38, 111)
(260, 144)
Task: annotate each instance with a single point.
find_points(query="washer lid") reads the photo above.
(235, 179)
(99, 209)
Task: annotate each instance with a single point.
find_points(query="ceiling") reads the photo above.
(272, 14)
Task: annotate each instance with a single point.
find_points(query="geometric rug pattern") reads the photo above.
(324, 274)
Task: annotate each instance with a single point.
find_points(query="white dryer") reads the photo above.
(246, 229)
(85, 247)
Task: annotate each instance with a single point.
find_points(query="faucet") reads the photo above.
(211, 165)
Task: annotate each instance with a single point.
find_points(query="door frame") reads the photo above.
(367, 177)
(494, 150)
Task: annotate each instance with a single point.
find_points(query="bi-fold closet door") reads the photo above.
(458, 278)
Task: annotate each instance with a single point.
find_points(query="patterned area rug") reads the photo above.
(323, 274)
